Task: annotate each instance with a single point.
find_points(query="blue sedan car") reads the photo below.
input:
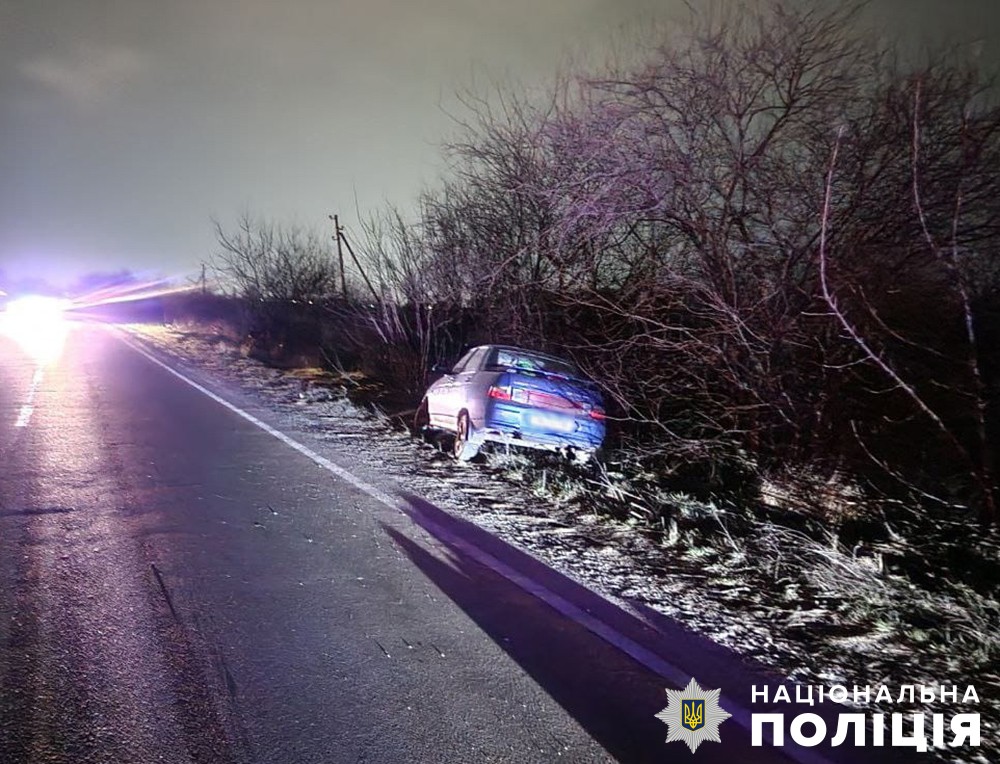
(517, 397)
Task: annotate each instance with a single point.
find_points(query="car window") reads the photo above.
(473, 361)
(508, 358)
(476, 362)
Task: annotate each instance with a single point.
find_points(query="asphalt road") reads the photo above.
(178, 585)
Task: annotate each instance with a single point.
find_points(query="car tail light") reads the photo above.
(499, 393)
(546, 400)
(598, 413)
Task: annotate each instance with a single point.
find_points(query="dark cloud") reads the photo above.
(126, 124)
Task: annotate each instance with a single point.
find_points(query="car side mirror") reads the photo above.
(440, 368)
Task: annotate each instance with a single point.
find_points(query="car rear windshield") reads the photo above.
(519, 359)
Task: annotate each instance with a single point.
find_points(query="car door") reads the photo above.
(467, 396)
(442, 404)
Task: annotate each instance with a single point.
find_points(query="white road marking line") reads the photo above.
(322, 461)
(630, 647)
(24, 415)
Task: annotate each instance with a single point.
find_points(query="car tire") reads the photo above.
(581, 457)
(465, 448)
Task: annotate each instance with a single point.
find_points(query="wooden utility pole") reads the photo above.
(338, 235)
(204, 281)
(354, 259)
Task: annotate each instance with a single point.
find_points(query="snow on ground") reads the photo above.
(740, 593)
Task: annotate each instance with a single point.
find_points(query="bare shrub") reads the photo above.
(661, 223)
(266, 262)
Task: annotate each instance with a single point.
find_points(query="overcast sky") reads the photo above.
(126, 125)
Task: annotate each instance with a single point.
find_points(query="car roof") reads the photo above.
(517, 349)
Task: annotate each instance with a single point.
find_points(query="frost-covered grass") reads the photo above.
(913, 598)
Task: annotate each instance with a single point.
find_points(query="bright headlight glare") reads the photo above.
(37, 324)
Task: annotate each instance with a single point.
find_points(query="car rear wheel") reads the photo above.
(465, 449)
(580, 456)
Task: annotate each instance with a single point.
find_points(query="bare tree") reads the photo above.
(682, 192)
(659, 221)
(266, 262)
(951, 229)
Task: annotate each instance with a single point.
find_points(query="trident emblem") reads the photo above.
(694, 714)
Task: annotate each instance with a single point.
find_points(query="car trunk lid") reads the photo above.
(553, 392)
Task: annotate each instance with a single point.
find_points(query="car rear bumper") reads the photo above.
(505, 427)
(535, 441)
